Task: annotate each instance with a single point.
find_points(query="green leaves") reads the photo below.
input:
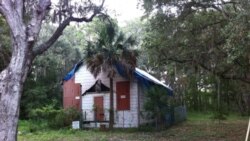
(110, 47)
(211, 36)
(43, 85)
(201, 40)
(5, 44)
(157, 102)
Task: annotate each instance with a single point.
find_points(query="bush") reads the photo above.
(33, 128)
(64, 118)
(219, 116)
(71, 114)
(45, 113)
(58, 121)
(157, 104)
(55, 119)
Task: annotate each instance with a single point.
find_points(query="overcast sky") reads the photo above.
(123, 10)
(126, 10)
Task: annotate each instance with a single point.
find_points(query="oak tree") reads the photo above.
(25, 18)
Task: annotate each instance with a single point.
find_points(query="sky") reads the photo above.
(126, 10)
(123, 10)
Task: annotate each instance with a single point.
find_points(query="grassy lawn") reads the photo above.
(198, 127)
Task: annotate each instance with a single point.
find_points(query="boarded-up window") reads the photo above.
(123, 95)
(70, 92)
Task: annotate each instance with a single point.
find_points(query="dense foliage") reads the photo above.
(158, 103)
(25, 20)
(43, 86)
(4, 44)
(204, 48)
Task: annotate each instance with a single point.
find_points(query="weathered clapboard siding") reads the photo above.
(128, 118)
(86, 79)
(88, 103)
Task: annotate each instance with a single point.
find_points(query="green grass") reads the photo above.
(207, 116)
(198, 127)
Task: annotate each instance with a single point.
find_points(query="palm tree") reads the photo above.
(111, 48)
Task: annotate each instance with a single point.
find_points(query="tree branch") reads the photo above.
(46, 45)
(35, 23)
(223, 74)
(216, 6)
(20, 4)
(3, 8)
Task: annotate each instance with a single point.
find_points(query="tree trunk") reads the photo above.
(218, 96)
(111, 110)
(9, 106)
(24, 35)
(11, 86)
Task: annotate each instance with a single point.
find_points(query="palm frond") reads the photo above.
(110, 48)
(94, 64)
(120, 38)
(111, 33)
(130, 41)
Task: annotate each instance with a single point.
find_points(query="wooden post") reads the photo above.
(247, 135)
(218, 98)
(81, 111)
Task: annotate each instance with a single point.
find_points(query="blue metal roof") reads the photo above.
(73, 71)
(148, 80)
(143, 77)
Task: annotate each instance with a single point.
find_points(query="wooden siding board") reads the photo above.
(128, 118)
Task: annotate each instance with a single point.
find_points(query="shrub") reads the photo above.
(64, 118)
(45, 113)
(33, 128)
(157, 104)
(219, 116)
(71, 114)
(54, 118)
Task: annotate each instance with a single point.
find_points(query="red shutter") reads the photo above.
(99, 111)
(123, 95)
(70, 91)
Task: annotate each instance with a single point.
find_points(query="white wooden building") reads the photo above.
(128, 100)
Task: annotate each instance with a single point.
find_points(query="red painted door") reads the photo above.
(99, 111)
(123, 95)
